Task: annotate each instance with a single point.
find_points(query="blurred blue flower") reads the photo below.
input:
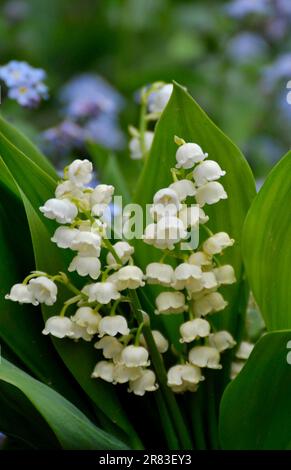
(89, 95)
(105, 131)
(242, 8)
(62, 139)
(24, 83)
(280, 69)
(246, 47)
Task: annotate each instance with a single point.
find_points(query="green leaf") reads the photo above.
(183, 117)
(109, 170)
(72, 428)
(266, 247)
(256, 406)
(35, 187)
(26, 146)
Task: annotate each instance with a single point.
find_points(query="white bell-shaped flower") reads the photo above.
(129, 277)
(205, 356)
(123, 250)
(112, 325)
(162, 343)
(43, 290)
(104, 370)
(209, 280)
(188, 154)
(207, 171)
(221, 340)
(87, 318)
(183, 188)
(21, 293)
(110, 346)
(210, 193)
(192, 329)
(61, 210)
(184, 274)
(86, 266)
(170, 230)
(215, 244)
(225, 274)
(135, 147)
(102, 194)
(181, 376)
(64, 236)
(79, 172)
(200, 259)
(244, 350)
(101, 292)
(170, 302)
(123, 374)
(213, 302)
(160, 273)
(158, 99)
(145, 383)
(190, 216)
(57, 326)
(166, 201)
(134, 356)
(79, 332)
(87, 243)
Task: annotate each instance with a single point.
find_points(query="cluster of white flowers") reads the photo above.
(79, 210)
(192, 285)
(103, 310)
(154, 99)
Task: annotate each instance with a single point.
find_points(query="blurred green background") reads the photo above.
(233, 56)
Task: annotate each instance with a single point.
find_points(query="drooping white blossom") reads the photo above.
(205, 356)
(43, 290)
(183, 188)
(112, 325)
(86, 266)
(61, 210)
(145, 383)
(161, 342)
(87, 243)
(134, 356)
(104, 370)
(188, 154)
(123, 250)
(21, 293)
(217, 243)
(135, 147)
(57, 326)
(244, 350)
(221, 340)
(209, 303)
(206, 171)
(210, 193)
(159, 98)
(192, 329)
(225, 274)
(64, 236)
(110, 347)
(101, 292)
(129, 277)
(87, 318)
(170, 302)
(79, 172)
(160, 273)
(185, 274)
(184, 377)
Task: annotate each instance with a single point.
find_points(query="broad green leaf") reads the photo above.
(109, 171)
(26, 146)
(266, 247)
(20, 326)
(256, 406)
(72, 428)
(183, 117)
(35, 187)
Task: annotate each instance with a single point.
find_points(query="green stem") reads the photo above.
(69, 302)
(138, 333)
(196, 413)
(161, 373)
(212, 416)
(169, 430)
